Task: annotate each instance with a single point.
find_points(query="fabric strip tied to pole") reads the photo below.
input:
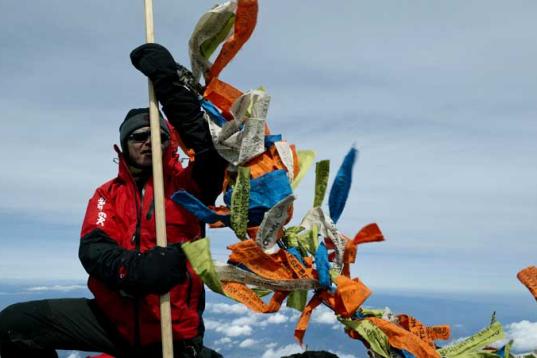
(245, 22)
(528, 277)
(341, 186)
(207, 34)
(199, 255)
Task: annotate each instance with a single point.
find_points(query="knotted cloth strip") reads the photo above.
(528, 277)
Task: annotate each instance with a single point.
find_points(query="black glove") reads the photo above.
(182, 107)
(160, 269)
(154, 61)
(154, 271)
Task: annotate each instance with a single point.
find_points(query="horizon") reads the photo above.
(248, 333)
(439, 99)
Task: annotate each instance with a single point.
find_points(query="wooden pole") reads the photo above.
(158, 184)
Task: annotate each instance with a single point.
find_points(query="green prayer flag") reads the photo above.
(378, 341)
(305, 158)
(478, 354)
(240, 199)
(297, 299)
(290, 236)
(507, 350)
(209, 46)
(322, 170)
(261, 292)
(491, 334)
(371, 312)
(310, 241)
(199, 254)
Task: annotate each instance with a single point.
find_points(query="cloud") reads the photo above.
(223, 340)
(344, 355)
(74, 355)
(523, 334)
(235, 331)
(226, 308)
(228, 329)
(60, 288)
(251, 318)
(248, 342)
(277, 318)
(282, 351)
(324, 317)
(211, 324)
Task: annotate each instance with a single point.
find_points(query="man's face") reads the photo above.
(139, 146)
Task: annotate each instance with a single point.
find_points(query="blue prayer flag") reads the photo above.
(341, 186)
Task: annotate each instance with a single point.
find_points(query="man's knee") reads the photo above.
(9, 317)
(22, 318)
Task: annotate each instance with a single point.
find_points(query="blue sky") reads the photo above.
(440, 99)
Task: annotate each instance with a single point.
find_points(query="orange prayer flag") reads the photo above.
(252, 256)
(427, 334)
(241, 293)
(328, 298)
(265, 163)
(294, 265)
(442, 332)
(330, 246)
(296, 165)
(245, 21)
(353, 334)
(528, 277)
(222, 95)
(304, 320)
(349, 256)
(350, 294)
(399, 337)
(252, 232)
(369, 233)
(415, 326)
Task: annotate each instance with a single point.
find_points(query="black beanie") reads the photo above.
(137, 118)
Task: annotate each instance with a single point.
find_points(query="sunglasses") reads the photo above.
(142, 137)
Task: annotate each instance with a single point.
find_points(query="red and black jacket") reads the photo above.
(118, 238)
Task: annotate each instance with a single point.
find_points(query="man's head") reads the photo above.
(135, 139)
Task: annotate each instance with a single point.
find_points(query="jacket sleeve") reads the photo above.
(154, 271)
(183, 110)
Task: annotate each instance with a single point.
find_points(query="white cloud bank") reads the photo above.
(222, 341)
(227, 329)
(241, 326)
(60, 288)
(248, 342)
(282, 351)
(325, 317)
(226, 308)
(523, 334)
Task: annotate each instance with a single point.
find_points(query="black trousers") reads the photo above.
(38, 328)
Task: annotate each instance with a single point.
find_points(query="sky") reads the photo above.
(439, 98)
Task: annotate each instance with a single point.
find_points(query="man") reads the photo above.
(117, 248)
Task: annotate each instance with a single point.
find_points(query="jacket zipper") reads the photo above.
(138, 199)
(139, 204)
(188, 288)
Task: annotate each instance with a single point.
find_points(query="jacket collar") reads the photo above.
(123, 171)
